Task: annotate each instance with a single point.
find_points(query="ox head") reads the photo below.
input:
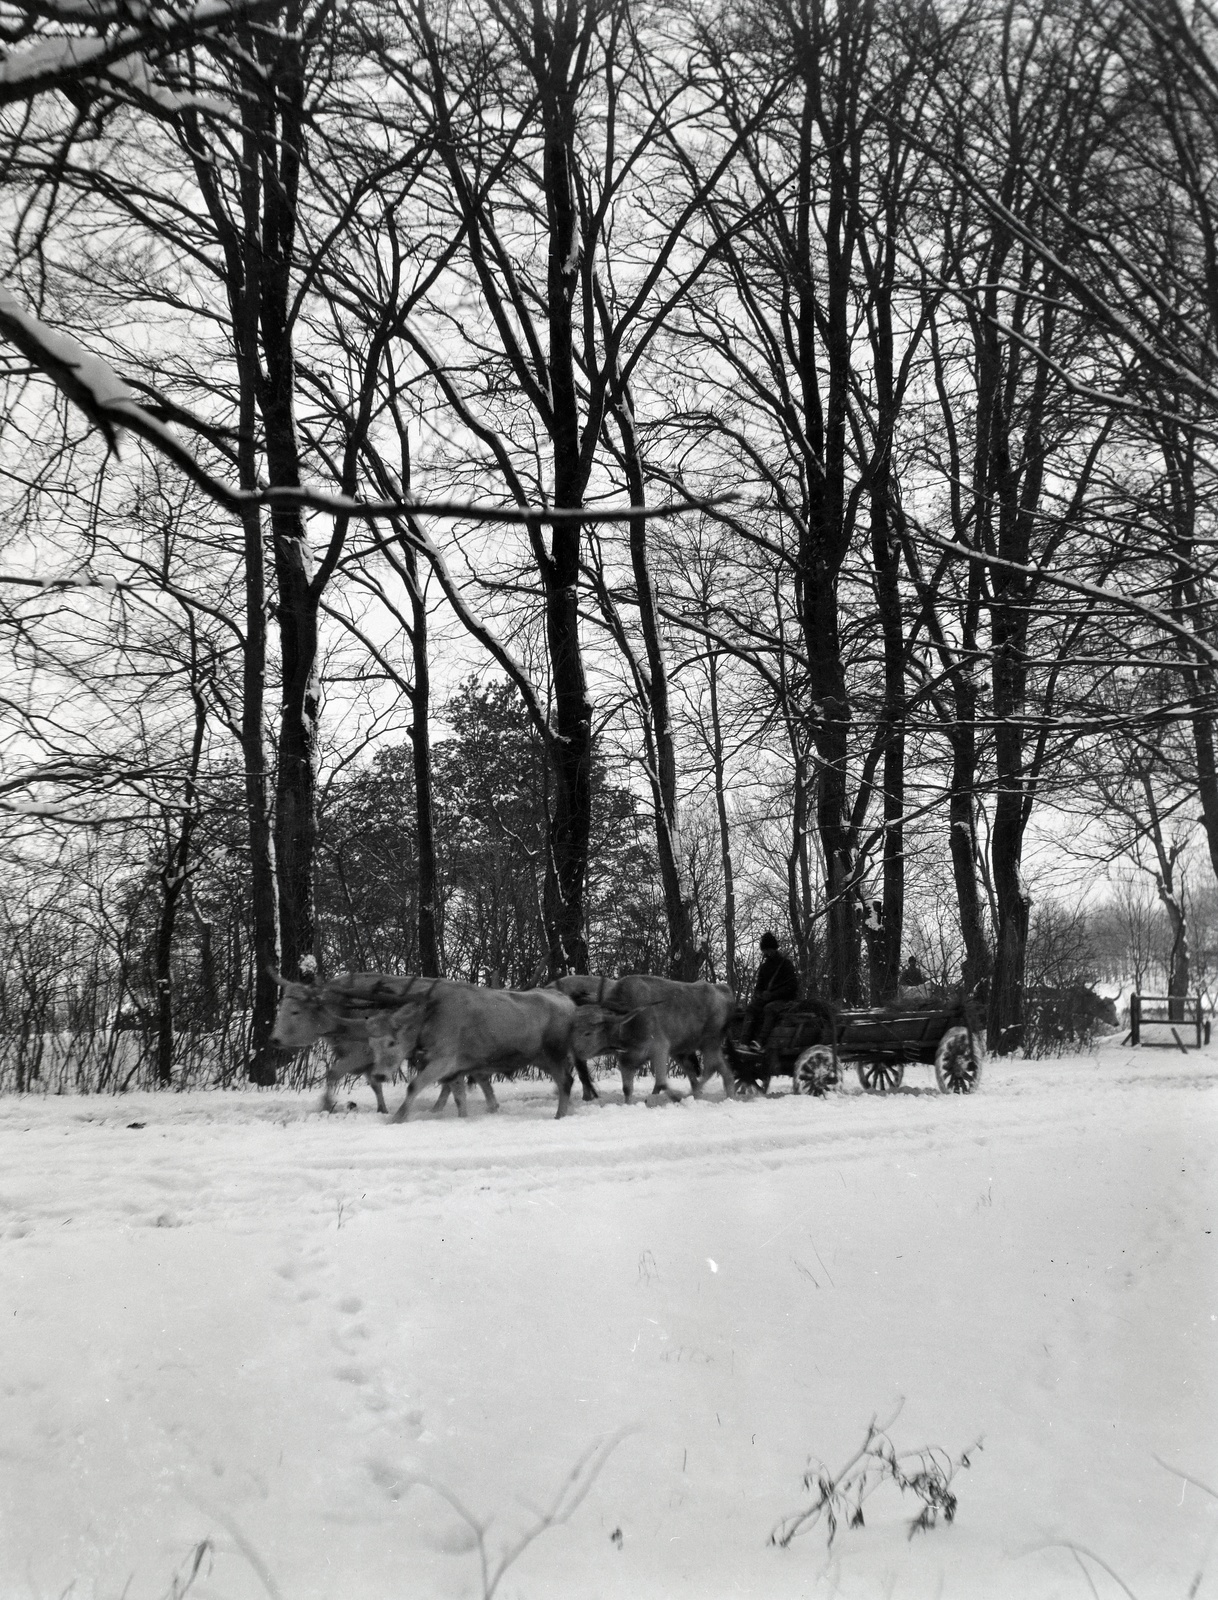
(302, 1017)
(598, 1030)
(404, 1024)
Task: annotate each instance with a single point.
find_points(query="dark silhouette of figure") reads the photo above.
(777, 986)
(911, 985)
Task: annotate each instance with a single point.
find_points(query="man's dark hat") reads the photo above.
(769, 942)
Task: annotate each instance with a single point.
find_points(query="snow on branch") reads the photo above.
(86, 379)
(43, 810)
(105, 581)
(56, 62)
(132, 74)
(1207, 652)
(93, 385)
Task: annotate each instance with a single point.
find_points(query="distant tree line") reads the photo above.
(355, 361)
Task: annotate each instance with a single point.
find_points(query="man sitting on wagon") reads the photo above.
(912, 985)
(777, 988)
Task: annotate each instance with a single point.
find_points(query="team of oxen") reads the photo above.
(377, 1024)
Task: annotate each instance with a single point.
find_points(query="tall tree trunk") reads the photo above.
(239, 236)
(1006, 842)
(264, 901)
(296, 774)
(555, 44)
(1005, 1024)
(1003, 517)
(682, 955)
(1207, 768)
(828, 691)
(718, 766)
(280, 132)
(420, 742)
(1179, 963)
(1180, 462)
(959, 658)
(885, 554)
(799, 828)
(571, 817)
(824, 292)
(962, 804)
(173, 881)
(264, 898)
(1170, 891)
(964, 849)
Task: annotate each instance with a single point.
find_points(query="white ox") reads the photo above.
(662, 1018)
(587, 989)
(363, 1001)
(496, 1030)
(460, 1030)
(351, 1056)
(350, 1014)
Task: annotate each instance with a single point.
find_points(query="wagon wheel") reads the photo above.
(815, 1070)
(879, 1077)
(957, 1062)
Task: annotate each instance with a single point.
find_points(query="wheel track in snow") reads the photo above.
(242, 1160)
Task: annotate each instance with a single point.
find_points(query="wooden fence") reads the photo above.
(1171, 1011)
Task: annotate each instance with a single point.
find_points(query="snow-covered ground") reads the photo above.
(331, 1348)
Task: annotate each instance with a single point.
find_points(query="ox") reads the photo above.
(588, 989)
(469, 1030)
(350, 1013)
(352, 1055)
(378, 994)
(662, 1018)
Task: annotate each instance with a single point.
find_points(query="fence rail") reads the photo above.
(1171, 1011)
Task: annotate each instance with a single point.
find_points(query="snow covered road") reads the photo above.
(307, 1340)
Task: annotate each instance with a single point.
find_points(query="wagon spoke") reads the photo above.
(957, 1064)
(880, 1076)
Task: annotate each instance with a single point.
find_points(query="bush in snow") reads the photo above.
(927, 1474)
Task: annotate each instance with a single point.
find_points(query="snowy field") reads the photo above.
(252, 1351)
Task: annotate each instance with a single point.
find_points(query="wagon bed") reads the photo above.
(884, 1040)
(812, 1041)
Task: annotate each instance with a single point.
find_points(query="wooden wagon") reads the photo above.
(813, 1041)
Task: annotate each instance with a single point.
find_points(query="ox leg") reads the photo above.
(386, 1059)
(457, 1088)
(347, 1056)
(714, 1060)
(438, 1069)
(698, 1071)
(563, 1074)
(659, 1065)
(442, 1098)
(585, 1079)
(628, 1071)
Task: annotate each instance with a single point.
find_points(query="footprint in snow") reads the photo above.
(393, 1478)
(353, 1374)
